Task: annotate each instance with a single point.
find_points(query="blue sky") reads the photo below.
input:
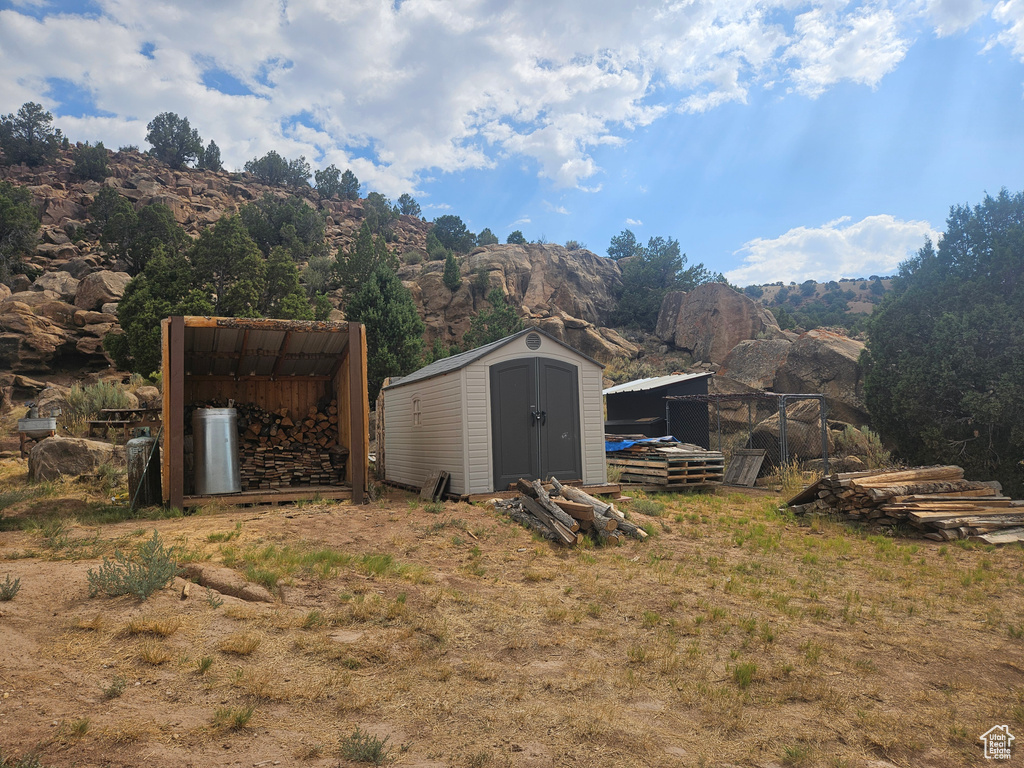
(775, 139)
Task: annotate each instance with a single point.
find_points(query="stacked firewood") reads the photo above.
(277, 449)
(936, 500)
(562, 513)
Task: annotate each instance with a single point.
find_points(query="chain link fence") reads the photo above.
(788, 427)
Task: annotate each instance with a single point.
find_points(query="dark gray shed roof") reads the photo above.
(461, 360)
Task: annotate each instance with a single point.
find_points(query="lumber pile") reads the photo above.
(561, 514)
(667, 466)
(937, 501)
(278, 449)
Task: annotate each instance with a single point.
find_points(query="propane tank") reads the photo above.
(143, 471)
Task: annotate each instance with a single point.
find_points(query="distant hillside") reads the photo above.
(845, 303)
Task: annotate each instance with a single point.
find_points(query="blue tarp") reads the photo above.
(610, 446)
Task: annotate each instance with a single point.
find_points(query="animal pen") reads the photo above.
(788, 427)
(300, 394)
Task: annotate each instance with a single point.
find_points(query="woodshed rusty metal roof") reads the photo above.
(241, 347)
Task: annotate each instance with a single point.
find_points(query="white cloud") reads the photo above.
(400, 92)
(840, 248)
(634, 222)
(1010, 13)
(951, 16)
(560, 209)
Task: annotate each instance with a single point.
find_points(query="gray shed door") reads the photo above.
(535, 414)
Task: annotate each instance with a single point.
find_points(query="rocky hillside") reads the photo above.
(54, 324)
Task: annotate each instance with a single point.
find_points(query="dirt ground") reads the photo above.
(734, 636)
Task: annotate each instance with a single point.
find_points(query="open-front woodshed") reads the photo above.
(300, 394)
(526, 406)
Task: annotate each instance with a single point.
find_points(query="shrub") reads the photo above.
(90, 161)
(9, 589)
(150, 569)
(85, 403)
(365, 748)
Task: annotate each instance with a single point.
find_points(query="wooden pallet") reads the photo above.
(669, 466)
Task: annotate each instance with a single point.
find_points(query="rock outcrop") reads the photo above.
(754, 362)
(827, 363)
(711, 319)
(99, 288)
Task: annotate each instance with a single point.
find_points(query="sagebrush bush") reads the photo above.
(85, 403)
(365, 748)
(9, 588)
(139, 575)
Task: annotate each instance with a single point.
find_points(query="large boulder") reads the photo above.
(711, 319)
(547, 278)
(99, 288)
(827, 363)
(28, 342)
(803, 432)
(61, 283)
(57, 457)
(602, 344)
(754, 362)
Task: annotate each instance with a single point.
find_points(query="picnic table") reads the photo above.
(124, 421)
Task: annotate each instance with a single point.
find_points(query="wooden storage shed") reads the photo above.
(523, 406)
(308, 377)
(639, 408)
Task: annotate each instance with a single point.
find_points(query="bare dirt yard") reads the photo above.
(445, 635)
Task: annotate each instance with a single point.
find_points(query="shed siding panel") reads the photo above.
(595, 467)
(412, 451)
(478, 428)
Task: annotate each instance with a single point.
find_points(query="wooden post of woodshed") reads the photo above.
(293, 371)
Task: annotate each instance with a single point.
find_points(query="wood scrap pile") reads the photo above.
(279, 449)
(665, 465)
(938, 501)
(561, 513)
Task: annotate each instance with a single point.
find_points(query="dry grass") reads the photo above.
(735, 634)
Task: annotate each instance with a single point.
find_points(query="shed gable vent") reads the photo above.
(533, 341)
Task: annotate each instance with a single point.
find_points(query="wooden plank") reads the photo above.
(744, 467)
(535, 509)
(174, 416)
(575, 509)
(980, 521)
(434, 487)
(1002, 537)
(358, 406)
(912, 476)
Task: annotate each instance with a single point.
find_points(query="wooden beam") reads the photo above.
(254, 377)
(241, 356)
(265, 324)
(174, 415)
(283, 354)
(262, 353)
(359, 411)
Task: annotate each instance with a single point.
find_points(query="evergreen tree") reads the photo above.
(167, 286)
(134, 236)
(229, 260)
(328, 182)
(362, 259)
(408, 206)
(452, 277)
(209, 158)
(28, 136)
(516, 238)
(486, 237)
(289, 222)
(624, 245)
(283, 296)
(394, 330)
(19, 227)
(349, 185)
(499, 321)
(451, 232)
(945, 355)
(174, 141)
(90, 162)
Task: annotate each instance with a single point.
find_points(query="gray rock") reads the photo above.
(61, 283)
(99, 288)
(57, 457)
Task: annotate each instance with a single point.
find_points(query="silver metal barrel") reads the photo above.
(215, 442)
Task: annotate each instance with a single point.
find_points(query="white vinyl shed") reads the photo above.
(523, 406)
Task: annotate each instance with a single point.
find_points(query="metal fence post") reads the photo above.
(783, 445)
(824, 434)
